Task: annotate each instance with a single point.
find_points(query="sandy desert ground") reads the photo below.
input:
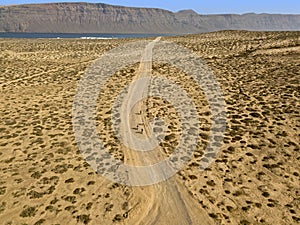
(44, 178)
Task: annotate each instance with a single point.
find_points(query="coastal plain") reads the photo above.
(44, 178)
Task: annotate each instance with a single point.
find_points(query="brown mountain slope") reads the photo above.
(103, 18)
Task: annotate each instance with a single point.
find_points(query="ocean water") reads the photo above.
(82, 36)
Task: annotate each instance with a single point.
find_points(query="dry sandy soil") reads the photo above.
(254, 180)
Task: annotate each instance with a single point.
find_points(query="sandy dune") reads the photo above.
(255, 179)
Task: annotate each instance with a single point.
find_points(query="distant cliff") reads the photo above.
(103, 18)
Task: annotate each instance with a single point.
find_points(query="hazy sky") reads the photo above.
(200, 6)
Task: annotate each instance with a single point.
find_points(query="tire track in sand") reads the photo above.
(166, 202)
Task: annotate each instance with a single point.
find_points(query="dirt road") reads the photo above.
(166, 202)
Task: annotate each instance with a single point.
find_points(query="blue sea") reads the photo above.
(82, 36)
